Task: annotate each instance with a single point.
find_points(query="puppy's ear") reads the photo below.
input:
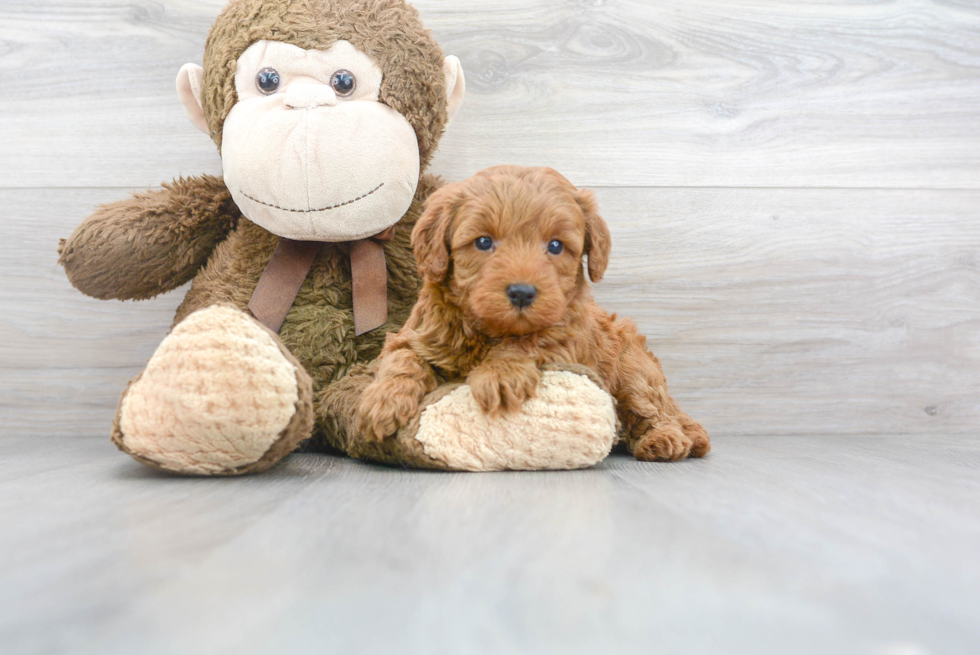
(430, 237)
(598, 242)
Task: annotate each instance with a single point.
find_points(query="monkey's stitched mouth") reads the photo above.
(313, 211)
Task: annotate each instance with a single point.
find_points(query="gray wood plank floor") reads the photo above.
(771, 545)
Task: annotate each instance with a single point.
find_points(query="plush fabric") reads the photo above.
(570, 424)
(192, 229)
(280, 151)
(574, 426)
(151, 243)
(319, 329)
(389, 31)
(316, 67)
(220, 409)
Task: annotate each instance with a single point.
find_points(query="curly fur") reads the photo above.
(465, 327)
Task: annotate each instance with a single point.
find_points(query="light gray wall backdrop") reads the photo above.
(792, 188)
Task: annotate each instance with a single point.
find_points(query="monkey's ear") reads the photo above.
(598, 241)
(430, 237)
(455, 86)
(190, 79)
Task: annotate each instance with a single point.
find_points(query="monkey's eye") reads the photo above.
(268, 81)
(343, 83)
(483, 243)
(555, 247)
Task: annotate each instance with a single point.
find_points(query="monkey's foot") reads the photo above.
(220, 396)
(570, 424)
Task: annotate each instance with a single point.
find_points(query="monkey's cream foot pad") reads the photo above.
(220, 396)
(571, 424)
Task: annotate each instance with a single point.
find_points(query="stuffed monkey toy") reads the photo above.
(326, 114)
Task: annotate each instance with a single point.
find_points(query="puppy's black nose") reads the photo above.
(521, 295)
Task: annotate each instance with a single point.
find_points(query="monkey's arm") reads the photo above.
(151, 243)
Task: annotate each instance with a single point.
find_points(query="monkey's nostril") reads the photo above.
(521, 295)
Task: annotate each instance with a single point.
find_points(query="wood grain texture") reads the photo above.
(613, 93)
(773, 311)
(769, 546)
(808, 312)
(823, 325)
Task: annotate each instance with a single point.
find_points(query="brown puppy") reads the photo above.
(504, 293)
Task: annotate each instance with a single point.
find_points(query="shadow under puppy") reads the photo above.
(505, 293)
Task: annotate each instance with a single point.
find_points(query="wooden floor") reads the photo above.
(793, 190)
(771, 545)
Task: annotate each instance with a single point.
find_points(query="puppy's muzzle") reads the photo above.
(522, 295)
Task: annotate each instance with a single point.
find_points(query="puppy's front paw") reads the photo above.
(664, 442)
(384, 408)
(503, 387)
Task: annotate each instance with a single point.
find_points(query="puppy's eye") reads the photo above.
(483, 243)
(268, 81)
(343, 83)
(555, 247)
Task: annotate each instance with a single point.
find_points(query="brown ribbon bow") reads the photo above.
(291, 263)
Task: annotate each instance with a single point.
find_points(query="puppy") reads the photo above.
(504, 292)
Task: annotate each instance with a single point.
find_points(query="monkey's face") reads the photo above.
(308, 152)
